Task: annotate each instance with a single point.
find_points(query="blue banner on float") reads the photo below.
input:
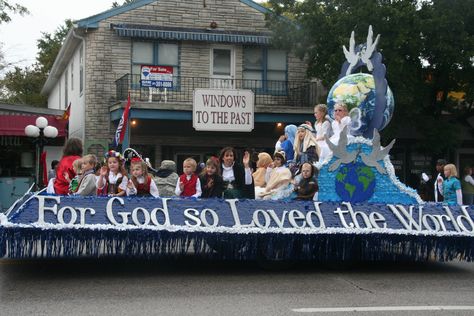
(241, 216)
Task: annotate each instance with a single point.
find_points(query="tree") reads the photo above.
(6, 9)
(424, 59)
(115, 3)
(23, 85)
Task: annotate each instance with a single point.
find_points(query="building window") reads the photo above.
(265, 70)
(154, 54)
(65, 88)
(72, 75)
(81, 69)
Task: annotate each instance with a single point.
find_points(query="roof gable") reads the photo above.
(93, 21)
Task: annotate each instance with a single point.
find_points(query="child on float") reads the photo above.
(306, 147)
(307, 188)
(238, 181)
(468, 186)
(87, 182)
(140, 182)
(112, 179)
(323, 128)
(188, 183)
(341, 120)
(263, 162)
(452, 186)
(211, 181)
(286, 142)
(74, 182)
(278, 179)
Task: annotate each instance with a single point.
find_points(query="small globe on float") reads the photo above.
(358, 91)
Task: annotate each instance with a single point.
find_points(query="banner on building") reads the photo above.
(227, 110)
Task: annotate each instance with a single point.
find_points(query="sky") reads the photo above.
(20, 35)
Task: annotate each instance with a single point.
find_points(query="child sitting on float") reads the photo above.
(307, 188)
(341, 120)
(278, 179)
(306, 147)
(286, 142)
(264, 160)
(140, 182)
(188, 183)
(211, 181)
(238, 181)
(86, 185)
(112, 179)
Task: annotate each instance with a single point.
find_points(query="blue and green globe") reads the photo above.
(358, 91)
(355, 182)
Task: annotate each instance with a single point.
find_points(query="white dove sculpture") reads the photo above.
(378, 153)
(340, 151)
(351, 56)
(370, 47)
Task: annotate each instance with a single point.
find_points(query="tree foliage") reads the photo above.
(23, 85)
(428, 48)
(7, 8)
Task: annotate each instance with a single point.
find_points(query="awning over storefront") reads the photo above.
(188, 34)
(14, 125)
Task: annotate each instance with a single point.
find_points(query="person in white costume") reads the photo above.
(341, 120)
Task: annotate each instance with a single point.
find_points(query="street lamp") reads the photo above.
(40, 131)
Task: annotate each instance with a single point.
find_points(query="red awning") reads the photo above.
(14, 125)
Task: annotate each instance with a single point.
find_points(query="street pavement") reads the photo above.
(196, 287)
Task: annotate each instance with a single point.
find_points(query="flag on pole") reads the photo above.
(67, 112)
(123, 124)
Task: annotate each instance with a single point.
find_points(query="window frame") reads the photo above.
(265, 89)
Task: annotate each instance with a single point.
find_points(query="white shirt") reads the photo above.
(112, 179)
(228, 174)
(438, 187)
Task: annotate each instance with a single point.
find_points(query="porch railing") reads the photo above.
(267, 93)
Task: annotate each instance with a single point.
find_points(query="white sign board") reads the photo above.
(227, 110)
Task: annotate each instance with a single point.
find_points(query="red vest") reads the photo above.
(189, 185)
(142, 188)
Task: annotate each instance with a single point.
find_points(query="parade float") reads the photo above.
(363, 211)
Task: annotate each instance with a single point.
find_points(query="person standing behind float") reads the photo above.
(166, 178)
(86, 186)
(238, 181)
(211, 182)
(323, 129)
(188, 184)
(286, 142)
(72, 151)
(306, 147)
(452, 186)
(113, 177)
(140, 182)
(438, 182)
(341, 120)
(468, 186)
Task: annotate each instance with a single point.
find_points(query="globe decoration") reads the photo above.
(355, 182)
(358, 91)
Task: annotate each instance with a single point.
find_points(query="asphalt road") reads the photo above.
(190, 287)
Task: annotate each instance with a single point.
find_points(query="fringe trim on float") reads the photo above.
(23, 242)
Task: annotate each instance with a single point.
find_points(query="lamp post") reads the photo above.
(40, 132)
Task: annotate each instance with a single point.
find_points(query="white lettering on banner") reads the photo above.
(117, 213)
(223, 110)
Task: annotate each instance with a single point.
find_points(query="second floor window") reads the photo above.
(265, 70)
(156, 54)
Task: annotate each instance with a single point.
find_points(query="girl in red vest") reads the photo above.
(140, 183)
(113, 176)
(188, 183)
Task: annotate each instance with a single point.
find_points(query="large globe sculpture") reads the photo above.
(355, 182)
(358, 91)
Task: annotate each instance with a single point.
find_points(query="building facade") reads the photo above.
(203, 45)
